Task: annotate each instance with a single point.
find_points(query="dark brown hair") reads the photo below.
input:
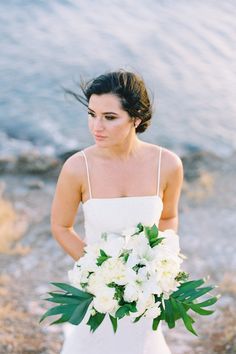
(130, 89)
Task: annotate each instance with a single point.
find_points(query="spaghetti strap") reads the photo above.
(86, 163)
(159, 170)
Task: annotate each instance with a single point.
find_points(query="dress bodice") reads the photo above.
(117, 214)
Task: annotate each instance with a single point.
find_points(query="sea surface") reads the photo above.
(185, 51)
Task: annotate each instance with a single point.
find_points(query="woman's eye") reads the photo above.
(110, 117)
(91, 114)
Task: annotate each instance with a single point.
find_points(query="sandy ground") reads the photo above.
(30, 258)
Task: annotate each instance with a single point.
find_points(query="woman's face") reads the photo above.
(108, 122)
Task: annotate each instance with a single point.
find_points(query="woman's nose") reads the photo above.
(98, 124)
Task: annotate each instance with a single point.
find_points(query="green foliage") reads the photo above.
(152, 234)
(182, 277)
(73, 306)
(114, 322)
(182, 300)
(102, 258)
(95, 321)
(126, 309)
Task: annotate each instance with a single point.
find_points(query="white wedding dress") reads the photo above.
(115, 215)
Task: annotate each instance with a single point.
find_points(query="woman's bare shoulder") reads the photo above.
(168, 157)
(171, 159)
(74, 168)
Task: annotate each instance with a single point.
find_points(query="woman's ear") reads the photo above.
(137, 121)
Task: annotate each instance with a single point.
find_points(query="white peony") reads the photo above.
(166, 269)
(104, 301)
(96, 283)
(113, 270)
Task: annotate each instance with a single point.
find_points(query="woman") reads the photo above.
(120, 181)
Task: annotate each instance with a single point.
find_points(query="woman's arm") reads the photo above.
(173, 168)
(65, 204)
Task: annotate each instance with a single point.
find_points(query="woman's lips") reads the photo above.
(99, 137)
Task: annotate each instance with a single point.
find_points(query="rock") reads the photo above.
(36, 163)
(35, 184)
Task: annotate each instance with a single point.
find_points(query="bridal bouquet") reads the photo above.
(136, 273)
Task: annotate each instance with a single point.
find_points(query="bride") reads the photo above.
(119, 181)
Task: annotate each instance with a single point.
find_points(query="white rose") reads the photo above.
(104, 301)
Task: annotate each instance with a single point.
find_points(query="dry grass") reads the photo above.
(12, 228)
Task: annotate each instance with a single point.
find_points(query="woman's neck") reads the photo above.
(123, 151)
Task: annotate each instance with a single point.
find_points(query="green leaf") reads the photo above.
(124, 310)
(155, 243)
(64, 299)
(95, 321)
(169, 314)
(152, 235)
(63, 318)
(189, 285)
(74, 291)
(190, 296)
(140, 227)
(155, 323)
(177, 314)
(114, 322)
(137, 318)
(102, 258)
(58, 310)
(199, 310)
(80, 312)
(186, 318)
(208, 302)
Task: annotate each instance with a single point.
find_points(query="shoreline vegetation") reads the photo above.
(30, 257)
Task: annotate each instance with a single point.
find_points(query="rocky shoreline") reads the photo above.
(30, 258)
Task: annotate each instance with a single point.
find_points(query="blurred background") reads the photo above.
(186, 53)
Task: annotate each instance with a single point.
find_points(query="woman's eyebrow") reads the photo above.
(103, 112)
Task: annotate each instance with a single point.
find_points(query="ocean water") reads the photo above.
(185, 51)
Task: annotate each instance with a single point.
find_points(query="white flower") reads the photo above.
(142, 304)
(171, 241)
(114, 245)
(153, 311)
(131, 292)
(138, 242)
(104, 301)
(166, 269)
(114, 270)
(95, 283)
(74, 278)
